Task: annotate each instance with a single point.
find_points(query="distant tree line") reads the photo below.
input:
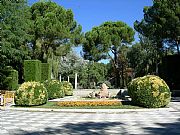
(46, 31)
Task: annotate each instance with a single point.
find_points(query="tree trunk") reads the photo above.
(116, 69)
(117, 78)
(177, 45)
(122, 76)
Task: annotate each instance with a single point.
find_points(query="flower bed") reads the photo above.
(89, 103)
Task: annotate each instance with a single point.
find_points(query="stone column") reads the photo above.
(68, 78)
(75, 81)
(60, 77)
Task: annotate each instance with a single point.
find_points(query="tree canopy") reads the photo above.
(54, 30)
(106, 38)
(39, 31)
(14, 35)
(71, 64)
(92, 74)
(14, 24)
(105, 41)
(161, 23)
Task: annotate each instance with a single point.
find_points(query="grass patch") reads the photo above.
(53, 105)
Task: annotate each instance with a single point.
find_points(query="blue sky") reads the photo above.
(90, 13)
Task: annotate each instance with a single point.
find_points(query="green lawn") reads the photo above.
(53, 105)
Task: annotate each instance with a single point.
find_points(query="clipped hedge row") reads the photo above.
(149, 91)
(45, 72)
(32, 70)
(31, 93)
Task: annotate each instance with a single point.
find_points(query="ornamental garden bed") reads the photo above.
(148, 91)
(106, 104)
(89, 103)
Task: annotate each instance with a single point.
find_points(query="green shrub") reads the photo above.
(12, 80)
(31, 93)
(32, 70)
(149, 91)
(45, 72)
(8, 78)
(68, 88)
(54, 89)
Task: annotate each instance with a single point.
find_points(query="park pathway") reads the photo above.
(159, 122)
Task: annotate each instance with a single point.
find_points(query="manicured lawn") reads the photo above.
(53, 105)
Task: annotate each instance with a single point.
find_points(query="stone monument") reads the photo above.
(103, 93)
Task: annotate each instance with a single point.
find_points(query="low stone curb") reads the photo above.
(86, 110)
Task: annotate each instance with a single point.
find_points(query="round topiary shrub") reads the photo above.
(149, 91)
(54, 89)
(31, 93)
(68, 88)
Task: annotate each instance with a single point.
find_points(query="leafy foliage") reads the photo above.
(67, 87)
(31, 93)
(15, 26)
(9, 78)
(70, 64)
(106, 38)
(149, 91)
(92, 74)
(89, 73)
(45, 72)
(136, 59)
(144, 57)
(161, 23)
(55, 30)
(54, 89)
(12, 80)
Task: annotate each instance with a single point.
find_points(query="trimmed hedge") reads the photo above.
(68, 88)
(149, 91)
(12, 80)
(45, 72)
(32, 70)
(54, 89)
(31, 93)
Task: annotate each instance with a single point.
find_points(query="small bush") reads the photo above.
(54, 89)
(68, 88)
(32, 70)
(149, 91)
(45, 72)
(31, 93)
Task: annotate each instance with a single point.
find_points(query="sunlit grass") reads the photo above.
(53, 105)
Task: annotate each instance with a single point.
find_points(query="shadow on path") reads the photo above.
(165, 128)
(82, 128)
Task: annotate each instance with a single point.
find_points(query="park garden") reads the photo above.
(38, 62)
